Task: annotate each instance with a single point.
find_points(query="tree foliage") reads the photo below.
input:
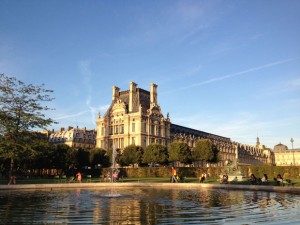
(179, 151)
(205, 150)
(131, 155)
(98, 156)
(82, 158)
(155, 153)
(43, 158)
(22, 109)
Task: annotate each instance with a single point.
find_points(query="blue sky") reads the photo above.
(231, 68)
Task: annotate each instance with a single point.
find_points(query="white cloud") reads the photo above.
(66, 116)
(283, 87)
(86, 73)
(228, 76)
(295, 84)
(177, 22)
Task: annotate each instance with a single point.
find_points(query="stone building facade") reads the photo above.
(134, 117)
(229, 150)
(285, 156)
(74, 137)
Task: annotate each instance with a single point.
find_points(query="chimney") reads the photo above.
(153, 94)
(131, 91)
(115, 93)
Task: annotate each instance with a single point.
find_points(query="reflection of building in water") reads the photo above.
(128, 209)
(285, 156)
(135, 117)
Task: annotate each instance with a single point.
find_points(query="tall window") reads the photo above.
(117, 129)
(152, 129)
(133, 127)
(111, 130)
(122, 129)
(133, 140)
(145, 126)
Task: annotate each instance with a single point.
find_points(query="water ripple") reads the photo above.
(148, 206)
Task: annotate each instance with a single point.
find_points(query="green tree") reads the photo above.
(98, 156)
(59, 157)
(131, 155)
(205, 150)
(82, 158)
(21, 110)
(42, 160)
(155, 153)
(179, 151)
(71, 158)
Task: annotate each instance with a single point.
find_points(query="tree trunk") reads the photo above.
(11, 169)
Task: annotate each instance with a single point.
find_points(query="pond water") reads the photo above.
(147, 206)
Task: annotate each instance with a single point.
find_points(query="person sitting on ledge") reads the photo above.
(278, 179)
(264, 178)
(253, 179)
(224, 179)
(235, 180)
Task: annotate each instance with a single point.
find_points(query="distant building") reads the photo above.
(74, 137)
(285, 156)
(134, 117)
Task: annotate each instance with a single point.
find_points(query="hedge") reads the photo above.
(212, 172)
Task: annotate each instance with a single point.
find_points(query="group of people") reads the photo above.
(255, 180)
(115, 176)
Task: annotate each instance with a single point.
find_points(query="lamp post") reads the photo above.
(292, 141)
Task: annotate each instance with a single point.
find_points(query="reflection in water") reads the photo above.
(148, 206)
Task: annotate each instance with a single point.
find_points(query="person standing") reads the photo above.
(203, 177)
(12, 180)
(79, 177)
(115, 176)
(173, 179)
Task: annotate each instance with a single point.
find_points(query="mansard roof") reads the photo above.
(176, 129)
(140, 97)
